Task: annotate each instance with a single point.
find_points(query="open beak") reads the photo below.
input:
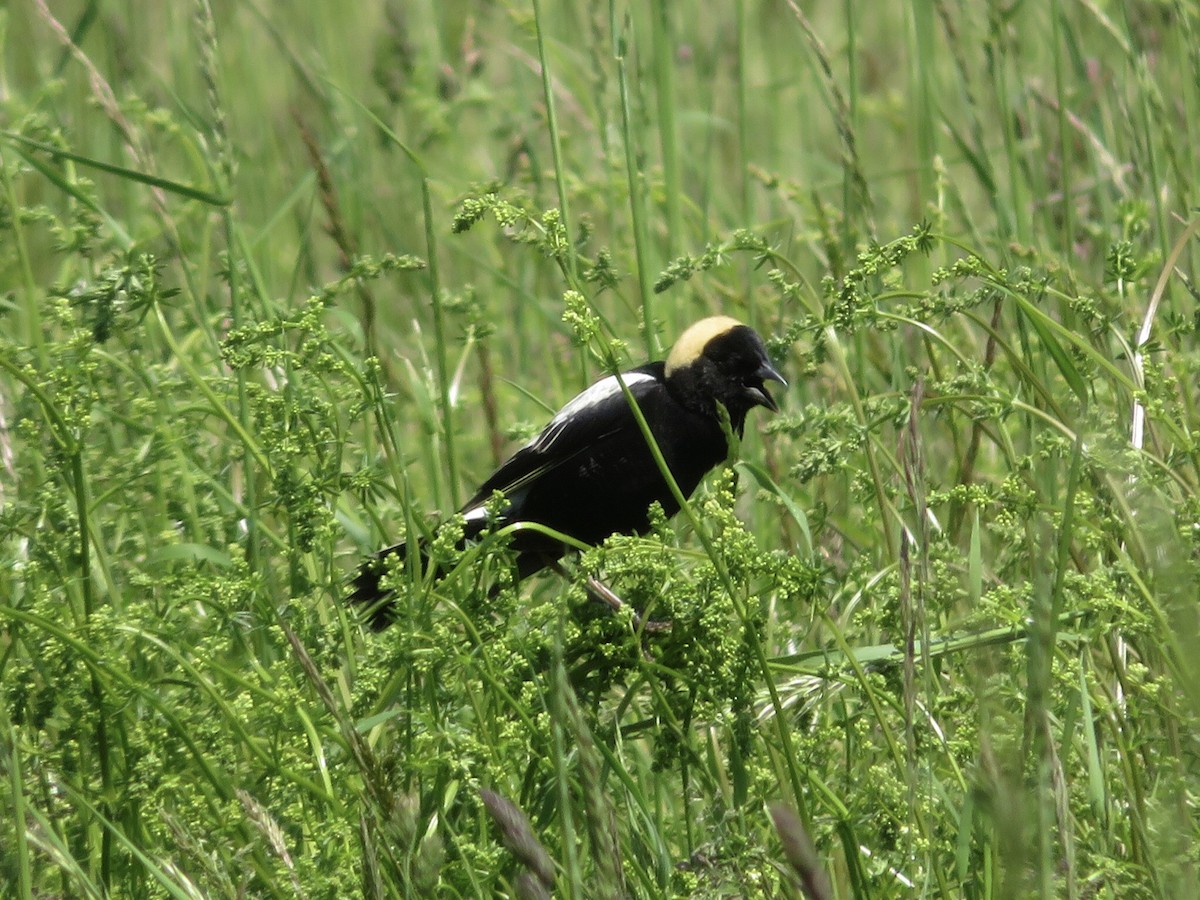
(758, 393)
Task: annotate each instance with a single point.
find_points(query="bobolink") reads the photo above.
(590, 473)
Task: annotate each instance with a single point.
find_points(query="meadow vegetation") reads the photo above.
(281, 283)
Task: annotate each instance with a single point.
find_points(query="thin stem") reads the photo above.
(641, 241)
(560, 178)
(439, 336)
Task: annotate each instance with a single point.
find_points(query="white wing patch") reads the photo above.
(600, 392)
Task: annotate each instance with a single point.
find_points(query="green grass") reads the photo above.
(279, 285)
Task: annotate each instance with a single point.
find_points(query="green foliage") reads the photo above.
(276, 290)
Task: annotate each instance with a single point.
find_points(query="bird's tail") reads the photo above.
(367, 591)
(379, 603)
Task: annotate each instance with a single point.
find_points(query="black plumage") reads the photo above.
(590, 473)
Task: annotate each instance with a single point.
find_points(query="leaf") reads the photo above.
(1042, 325)
(759, 474)
(174, 187)
(190, 552)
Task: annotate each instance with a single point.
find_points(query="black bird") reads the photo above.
(590, 472)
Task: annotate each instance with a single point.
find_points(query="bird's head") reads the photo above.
(720, 359)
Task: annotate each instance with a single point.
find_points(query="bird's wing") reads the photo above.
(590, 417)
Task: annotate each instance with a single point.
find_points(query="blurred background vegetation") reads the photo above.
(279, 283)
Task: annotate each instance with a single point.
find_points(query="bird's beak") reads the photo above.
(758, 393)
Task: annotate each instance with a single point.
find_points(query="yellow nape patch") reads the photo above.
(692, 342)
